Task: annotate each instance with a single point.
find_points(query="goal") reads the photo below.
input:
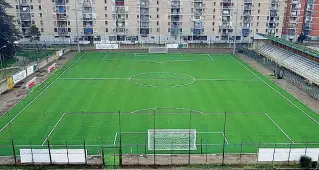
(172, 139)
(159, 50)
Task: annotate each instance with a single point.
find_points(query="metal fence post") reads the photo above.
(103, 161)
(49, 152)
(289, 152)
(306, 148)
(206, 153)
(273, 155)
(67, 151)
(258, 150)
(14, 153)
(31, 152)
(241, 150)
(201, 146)
(138, 158)
(84, 150)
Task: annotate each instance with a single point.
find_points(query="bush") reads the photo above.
(305, 161)
(314, 164)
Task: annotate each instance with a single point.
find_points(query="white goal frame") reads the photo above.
(186, 136)
(158, 50)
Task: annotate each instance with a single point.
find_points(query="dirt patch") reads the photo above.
(12, 97)
(293, 90)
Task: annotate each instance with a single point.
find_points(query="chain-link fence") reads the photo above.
(85, 152)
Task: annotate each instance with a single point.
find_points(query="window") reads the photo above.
(157, 22)
(157, 16)
(105, 8)
(157, 30)
(258, 4)
(256, 30)
(105, 22)
(40, 7)
(213, 23)
(157, 9)
(258, 11)
(105, 15)
(106, 29)
(214, 3)
(41, 15)
(42, 29)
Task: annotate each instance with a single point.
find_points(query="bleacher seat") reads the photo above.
(304, 67)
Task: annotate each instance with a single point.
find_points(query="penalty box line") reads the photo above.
(7, 124)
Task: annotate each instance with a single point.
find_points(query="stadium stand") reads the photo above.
(304, 67)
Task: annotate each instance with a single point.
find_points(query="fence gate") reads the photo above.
(111, 156)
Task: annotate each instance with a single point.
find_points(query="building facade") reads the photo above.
(150, 21)
(301, 17)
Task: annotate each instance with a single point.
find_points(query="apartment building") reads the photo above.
(301, 17)
(150, 21)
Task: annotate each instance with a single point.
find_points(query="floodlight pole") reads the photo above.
(234, 47)
(77, 27)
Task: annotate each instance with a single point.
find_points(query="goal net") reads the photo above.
(159, 50)
(172, 139)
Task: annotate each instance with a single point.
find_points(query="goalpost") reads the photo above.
(158, 50)
(172, 139)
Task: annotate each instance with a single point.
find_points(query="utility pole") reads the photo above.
(235, 36)
(77, 27)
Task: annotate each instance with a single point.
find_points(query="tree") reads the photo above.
(34, 35)
(8, 32)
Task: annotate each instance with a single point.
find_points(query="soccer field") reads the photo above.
(82, 101)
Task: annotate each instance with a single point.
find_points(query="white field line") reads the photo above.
(89, 78)
(106, 54)
(118, 78)
(252, 80)
(37, 96)
(275, 90)
(279, 127)
(224, 137)
(115, 139)
(210, 57)
(53, 129)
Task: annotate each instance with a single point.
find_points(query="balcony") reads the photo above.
(144, 25)
(60, 2)
(144, 5)
(62, 31)
(61, 17)
(121, 31)
(175, 31)
(175, 4)
(25, 16)
(144, 31)
(24, 9)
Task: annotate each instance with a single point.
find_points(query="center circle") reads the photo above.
(162, 79)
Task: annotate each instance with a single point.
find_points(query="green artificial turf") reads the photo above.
(81, 102)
